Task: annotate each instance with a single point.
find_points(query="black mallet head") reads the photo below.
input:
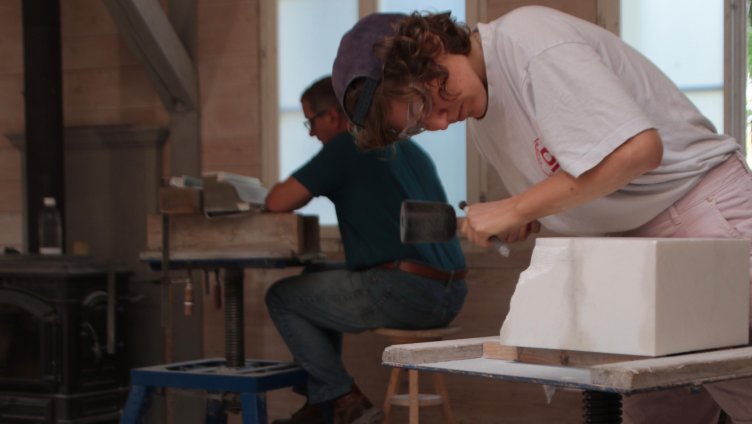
(427, 222)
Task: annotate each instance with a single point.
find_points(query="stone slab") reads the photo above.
(632, 296)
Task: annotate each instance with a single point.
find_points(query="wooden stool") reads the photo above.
(413, 399)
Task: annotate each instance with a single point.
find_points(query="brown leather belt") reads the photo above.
(426, 271)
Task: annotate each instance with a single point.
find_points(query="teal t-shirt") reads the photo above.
(367, 189)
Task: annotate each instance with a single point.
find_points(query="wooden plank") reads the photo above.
(669, 371)
(466, 357)
(109, 89)
(153, 40)
(12, 225)
(263, 250)
(608, 15)
(96, 52)
(584, 9)
(185, 126)
(175, 200)
(427, 352)
(10, 164)
(268, 112)
(531, 355)
(231, 121)
(253, 232)
(11, 196)
(84, 18)
(12, 105)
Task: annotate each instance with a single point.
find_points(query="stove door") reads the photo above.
(28, 342)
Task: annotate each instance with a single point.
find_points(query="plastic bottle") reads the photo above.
(50, 228)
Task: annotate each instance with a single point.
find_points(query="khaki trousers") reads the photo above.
(720, 206)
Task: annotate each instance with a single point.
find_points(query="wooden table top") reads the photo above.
(465, 356)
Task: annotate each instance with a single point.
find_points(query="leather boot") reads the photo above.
(308, 414)
(355, 408)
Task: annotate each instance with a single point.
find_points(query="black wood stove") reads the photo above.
(62, 351)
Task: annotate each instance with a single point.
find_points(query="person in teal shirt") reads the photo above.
(385, 283)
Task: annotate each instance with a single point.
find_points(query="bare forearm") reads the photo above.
(562, 191)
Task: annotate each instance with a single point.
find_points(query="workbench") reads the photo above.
(191, 241)
(602, 385)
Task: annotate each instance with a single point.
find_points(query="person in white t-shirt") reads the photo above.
(588, 136)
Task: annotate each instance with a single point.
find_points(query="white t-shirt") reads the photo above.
(563, 94)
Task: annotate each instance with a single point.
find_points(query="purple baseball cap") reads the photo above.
(356, 59)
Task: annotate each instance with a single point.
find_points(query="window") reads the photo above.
(306, 50)
(702, 47)
(692, 58)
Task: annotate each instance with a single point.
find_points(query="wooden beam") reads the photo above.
(734, 72)
(668, 371)
(185, 127)
(440, 351)
(609, 16)
(269, 96)
(691, 369)
(530, 355)
(249, 234)
(146, 28)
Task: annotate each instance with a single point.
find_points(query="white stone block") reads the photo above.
(637, 296)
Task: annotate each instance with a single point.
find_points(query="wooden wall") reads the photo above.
(229, 78)
(11, 120)
(585, 9)
(104, 85)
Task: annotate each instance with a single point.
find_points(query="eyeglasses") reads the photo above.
(308, 123)
(416, 111)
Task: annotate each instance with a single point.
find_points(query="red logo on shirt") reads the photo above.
(546, 160)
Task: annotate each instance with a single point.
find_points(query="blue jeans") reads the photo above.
(311, 312)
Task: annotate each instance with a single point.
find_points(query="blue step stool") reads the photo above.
(251, 382)
(249, 378)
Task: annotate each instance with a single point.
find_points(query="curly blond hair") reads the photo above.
(409, 65)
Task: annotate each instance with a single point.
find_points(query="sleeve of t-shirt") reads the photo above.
(582, 109)
(325, 172)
